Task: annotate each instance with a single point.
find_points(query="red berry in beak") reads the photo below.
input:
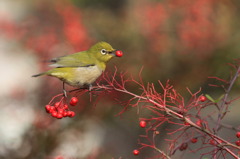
(119, 53)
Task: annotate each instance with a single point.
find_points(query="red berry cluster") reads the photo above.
(238, 141)
(60, 109)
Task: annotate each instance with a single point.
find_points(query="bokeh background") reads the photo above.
(185, 41)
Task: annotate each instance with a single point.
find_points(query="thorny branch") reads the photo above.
(170, 105)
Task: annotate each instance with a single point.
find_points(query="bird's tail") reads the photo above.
(40, 74)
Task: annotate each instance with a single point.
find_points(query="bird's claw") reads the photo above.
(64, 93)
(90, 88)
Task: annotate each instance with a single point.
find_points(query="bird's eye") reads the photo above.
(103, 51)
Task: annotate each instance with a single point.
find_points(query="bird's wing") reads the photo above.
(80, 59)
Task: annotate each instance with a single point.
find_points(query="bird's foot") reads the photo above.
(90, 87)
(64, 93)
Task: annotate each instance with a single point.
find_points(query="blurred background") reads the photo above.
(185, 41)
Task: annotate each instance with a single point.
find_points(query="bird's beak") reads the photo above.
(112, 52)
(117, 53)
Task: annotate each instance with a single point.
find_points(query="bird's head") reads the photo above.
(102, 51)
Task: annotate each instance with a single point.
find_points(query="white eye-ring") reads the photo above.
(103, 51)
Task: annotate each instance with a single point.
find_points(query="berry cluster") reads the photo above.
(61, 109)
(238, 141)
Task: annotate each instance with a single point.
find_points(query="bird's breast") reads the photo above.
(85, 75)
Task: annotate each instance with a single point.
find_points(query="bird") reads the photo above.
(82, 69)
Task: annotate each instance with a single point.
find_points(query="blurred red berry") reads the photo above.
(73, 101)
(237, 143)
(119, 53)
(52, 108)
(59, 157)
(57, 104)
(70, 114)
(194, 140)
(184, 146)
(202, 98)
(212, 142)
(142, 124)
(54, 114)
(60, 111)
(135, 152)
(238, 134)
(59, 116)
(65, 114)
(199, 123)
(65, 106)
(48, 107)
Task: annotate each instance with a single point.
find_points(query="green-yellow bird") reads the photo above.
(83, 68)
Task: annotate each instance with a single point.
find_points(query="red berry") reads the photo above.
(142, 124)
(199, 123)
(65, 106)
(52, 108)
(135, 152)
(186, 123)
(65, 114)
(70, 114)
(119, 53)
(194, 140)
(238, 134)
(237, 143)
(57, 104)
(59, 116)
(212, 142)
(183, 147)
(48, 107)
(60, 111)
(202, 98)
(54, 114)
(73, 101)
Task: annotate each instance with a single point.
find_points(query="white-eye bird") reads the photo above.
(83, 68)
